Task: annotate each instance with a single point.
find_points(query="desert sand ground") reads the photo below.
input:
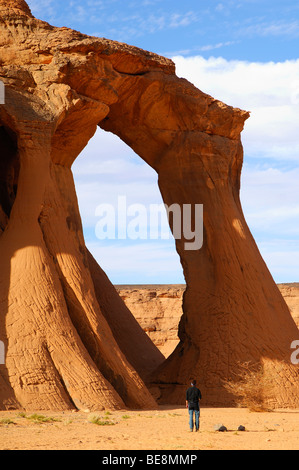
(162, 429)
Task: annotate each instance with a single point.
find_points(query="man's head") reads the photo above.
(193, 383)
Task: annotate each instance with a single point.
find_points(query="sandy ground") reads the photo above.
(163, 429)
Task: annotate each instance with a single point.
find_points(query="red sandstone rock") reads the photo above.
(290, 294)
(60, 350)
(66, 331)
(158, 310)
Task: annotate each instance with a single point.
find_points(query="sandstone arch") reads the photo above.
(69, 339)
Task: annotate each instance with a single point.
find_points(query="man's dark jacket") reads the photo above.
(193, 394)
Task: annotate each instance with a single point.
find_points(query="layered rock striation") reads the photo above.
(290, 293)
(158, 310)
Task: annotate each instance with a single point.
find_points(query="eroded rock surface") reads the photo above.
(60, 351)
(158, 310)
(290, 293)
(70, 341)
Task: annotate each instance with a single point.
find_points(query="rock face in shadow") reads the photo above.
(66, 331)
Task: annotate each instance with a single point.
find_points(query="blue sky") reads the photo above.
(244, 53)
(254, 30)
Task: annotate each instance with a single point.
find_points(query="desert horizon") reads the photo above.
(148, 286)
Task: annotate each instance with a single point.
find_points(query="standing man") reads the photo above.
(193, 397)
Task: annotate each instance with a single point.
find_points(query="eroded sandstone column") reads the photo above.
(233, 310)
(60, 350)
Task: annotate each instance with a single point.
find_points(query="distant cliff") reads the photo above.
(158, 309)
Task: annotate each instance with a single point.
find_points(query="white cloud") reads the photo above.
(177, 20)
(271, 201)
(197, 49)
(269, 90)
(139, 24)
(108, 168)
(277, 28)
(270, 190)
(42, 7)
(220, 7)
(282, 259)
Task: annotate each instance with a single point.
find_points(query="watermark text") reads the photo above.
(137, 221)
(295, 355)
(2, 353)
(2, 93)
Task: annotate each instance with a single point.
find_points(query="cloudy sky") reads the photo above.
(243, 52)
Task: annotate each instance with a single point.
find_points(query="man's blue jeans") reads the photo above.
(191, 422)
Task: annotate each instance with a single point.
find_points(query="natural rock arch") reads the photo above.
(69, 339)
